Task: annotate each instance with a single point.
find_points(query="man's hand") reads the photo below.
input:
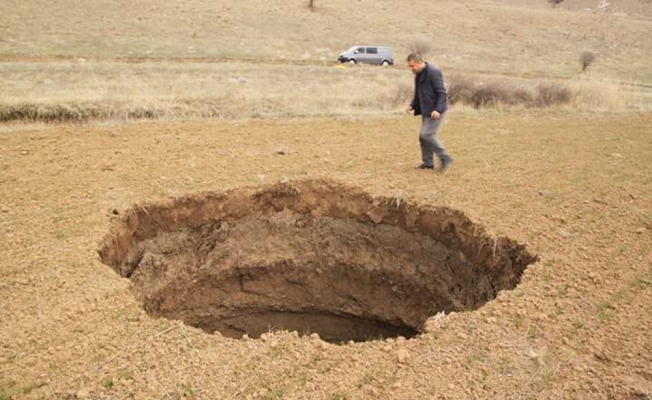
(409, 109)
(435, 115)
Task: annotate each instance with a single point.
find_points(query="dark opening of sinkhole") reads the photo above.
(308, 256)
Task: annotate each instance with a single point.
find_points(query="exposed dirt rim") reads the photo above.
(311, 256)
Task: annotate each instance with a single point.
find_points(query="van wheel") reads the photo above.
(384, 63)
(352, 61)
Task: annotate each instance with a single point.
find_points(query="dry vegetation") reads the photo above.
(586, 59)
(71, 91)
(79, 91)
(99, 70)
(580, 95)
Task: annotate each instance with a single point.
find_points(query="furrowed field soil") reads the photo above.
(574, 188)
(308, 258)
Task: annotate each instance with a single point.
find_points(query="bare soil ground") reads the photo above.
(102, 299)
(575, 188)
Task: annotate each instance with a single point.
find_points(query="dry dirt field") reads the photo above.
(574, 188)
(224, 175)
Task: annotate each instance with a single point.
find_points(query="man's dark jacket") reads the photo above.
(429, 92)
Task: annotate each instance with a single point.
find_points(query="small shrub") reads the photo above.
(275, 393)
(401, 96)
(550, 94)
(420, 46)
(495, 93)
(107, 383)
(123, 374)
(460, 89)
(586, 59)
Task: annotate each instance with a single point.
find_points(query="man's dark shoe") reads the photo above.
(445, 163)
(424, 166)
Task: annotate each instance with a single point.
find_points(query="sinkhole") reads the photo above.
(308, 256)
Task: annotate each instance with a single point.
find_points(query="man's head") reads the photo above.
(416, 63)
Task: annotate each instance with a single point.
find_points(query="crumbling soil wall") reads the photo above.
(311, 256)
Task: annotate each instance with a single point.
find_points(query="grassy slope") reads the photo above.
(468, 35)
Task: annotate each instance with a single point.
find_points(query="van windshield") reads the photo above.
(355, 50)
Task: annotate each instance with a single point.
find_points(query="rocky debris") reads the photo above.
(284, 150)
(402, 356)
(434, 323)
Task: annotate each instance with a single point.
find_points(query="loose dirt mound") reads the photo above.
(312, 256)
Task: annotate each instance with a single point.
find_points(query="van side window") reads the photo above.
(372, 50)
(359, 50)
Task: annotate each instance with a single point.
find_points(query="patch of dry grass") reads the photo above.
(72, 91)
(605, 95)
(595, 95)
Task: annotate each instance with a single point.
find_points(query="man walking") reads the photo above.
(429, 102)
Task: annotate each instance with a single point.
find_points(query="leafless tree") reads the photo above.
(586, 59)
(420, 46)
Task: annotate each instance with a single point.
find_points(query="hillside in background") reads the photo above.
(522, 38)
(637, 9)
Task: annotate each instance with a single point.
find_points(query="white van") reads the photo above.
(377, 55)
